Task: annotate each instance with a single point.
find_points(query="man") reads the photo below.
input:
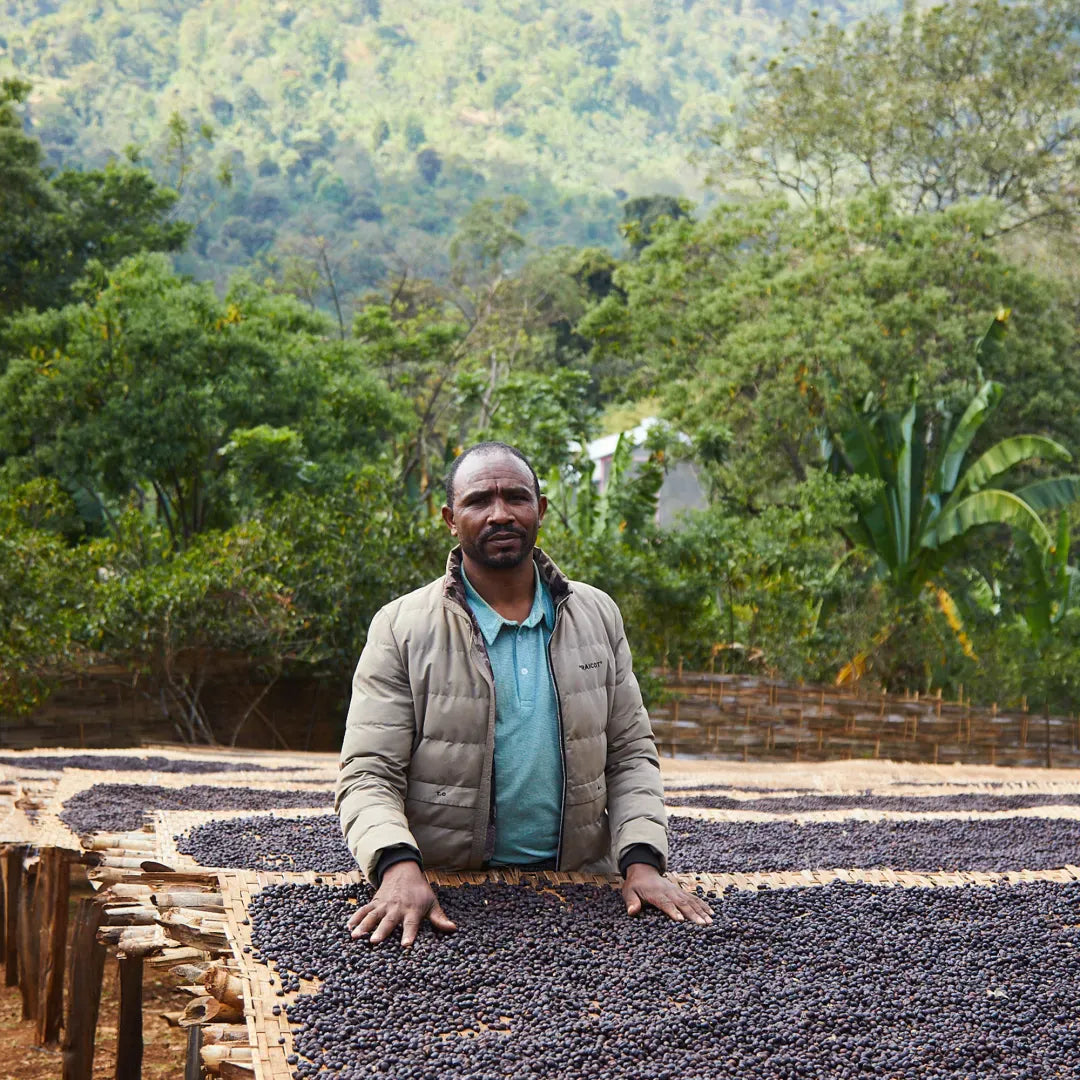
(496, 721)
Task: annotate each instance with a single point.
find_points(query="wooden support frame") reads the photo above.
(193, 1060)
(11, 860)
(86, 969)
(28, 938)
(54, 873)
(129, 1033)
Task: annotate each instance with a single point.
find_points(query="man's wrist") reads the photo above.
(640, 854)
(394, 856)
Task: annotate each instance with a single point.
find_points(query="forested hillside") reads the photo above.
(868, 351)
(376, 123)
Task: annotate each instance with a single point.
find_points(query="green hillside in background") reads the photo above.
(375, 123)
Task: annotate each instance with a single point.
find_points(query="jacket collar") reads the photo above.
(557, 582)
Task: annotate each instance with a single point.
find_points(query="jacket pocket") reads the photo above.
(591, 791)
(442, 794)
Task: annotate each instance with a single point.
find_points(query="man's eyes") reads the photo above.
(510, 496)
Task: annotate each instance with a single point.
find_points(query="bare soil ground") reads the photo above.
(164, 1046)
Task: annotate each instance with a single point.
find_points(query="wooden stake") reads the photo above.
(54, 877)
(28, 941)
(86, 968)
(129, 1035)
(193, 1062)
(11, 869)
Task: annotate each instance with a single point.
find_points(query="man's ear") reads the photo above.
(448, 517)
(543, 510)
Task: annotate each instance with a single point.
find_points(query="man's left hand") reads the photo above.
(644, 884)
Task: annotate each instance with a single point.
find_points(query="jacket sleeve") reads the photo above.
(376, 751)
(636, 813)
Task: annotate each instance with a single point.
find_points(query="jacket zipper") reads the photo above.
(487, 676)
(562, 733)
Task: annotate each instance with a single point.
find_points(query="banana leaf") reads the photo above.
(992, 507)
(1053, 494)
(991, 346)
(1004, 455)
(984, 402)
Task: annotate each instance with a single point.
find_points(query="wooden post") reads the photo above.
(193, 1063)
(129, 1034)
(86, 968)
(28, 939)
(11, 868)
(1049, 759)
(54, 877)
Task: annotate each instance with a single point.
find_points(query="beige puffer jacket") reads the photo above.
(416, 761)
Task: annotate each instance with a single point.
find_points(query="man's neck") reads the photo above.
(509, 590)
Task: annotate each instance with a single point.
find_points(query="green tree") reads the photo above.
(52, 227)
(761, 323)
(46, 586)
(28, 204)
(976, 98)
(137, 389)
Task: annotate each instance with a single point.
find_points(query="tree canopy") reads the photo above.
(972, 99)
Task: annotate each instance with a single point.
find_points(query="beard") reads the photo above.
(483, 552)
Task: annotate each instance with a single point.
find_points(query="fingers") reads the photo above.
(692, 908)
(380, 918)
(368, 922)
(667, 905)
(390, 920)
(410, 928)
(440, 920)
(677, 904)
(358, 915)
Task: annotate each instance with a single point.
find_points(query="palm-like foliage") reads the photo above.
(927, 502)
(1052, 585)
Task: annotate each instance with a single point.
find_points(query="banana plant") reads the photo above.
(929, 501)
(627, 504)
(1052, 587)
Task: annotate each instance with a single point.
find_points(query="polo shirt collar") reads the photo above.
(491, 622)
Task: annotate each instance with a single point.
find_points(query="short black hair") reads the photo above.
(486, 448)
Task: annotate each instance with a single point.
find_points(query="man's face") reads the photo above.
(496, 514)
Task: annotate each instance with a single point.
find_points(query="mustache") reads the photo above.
(501, 532)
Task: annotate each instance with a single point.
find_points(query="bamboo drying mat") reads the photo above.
(75, 781)
(265, 1030)
(1022, 787)
(315, 765)
(17, 828)
(859, 813)
(168, 824)
(843, 777)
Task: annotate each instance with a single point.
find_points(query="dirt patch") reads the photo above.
(164, 1046)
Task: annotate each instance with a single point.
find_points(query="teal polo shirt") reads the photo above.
(528, 756)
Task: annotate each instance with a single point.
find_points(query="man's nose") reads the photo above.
(500, 511)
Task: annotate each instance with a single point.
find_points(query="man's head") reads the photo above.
(493, 505)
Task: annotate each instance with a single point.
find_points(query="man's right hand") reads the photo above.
(404, 899)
